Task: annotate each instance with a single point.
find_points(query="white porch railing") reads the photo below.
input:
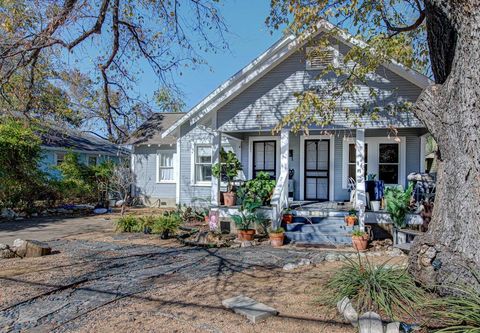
(279, 199)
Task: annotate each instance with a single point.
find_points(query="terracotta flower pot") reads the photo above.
(287, 218)
(360, 242)
(246, 235)
(276, 239)
(350, 220)
(229, 198)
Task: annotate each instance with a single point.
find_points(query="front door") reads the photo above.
(317, 161)
(265, 158)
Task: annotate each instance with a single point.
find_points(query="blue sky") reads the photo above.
(248, 37)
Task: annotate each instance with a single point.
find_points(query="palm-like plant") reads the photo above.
(398, 203)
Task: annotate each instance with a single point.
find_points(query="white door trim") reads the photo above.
(331, 166)
(251, 140)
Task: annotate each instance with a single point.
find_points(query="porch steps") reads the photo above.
(318, 230)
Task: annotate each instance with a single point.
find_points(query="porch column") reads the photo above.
(360, 197)
(216, 146)
(284, 145)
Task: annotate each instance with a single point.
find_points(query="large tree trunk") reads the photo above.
(451, 111)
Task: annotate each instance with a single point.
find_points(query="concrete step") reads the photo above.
(319, 219)
(317, 238)
(320, 229)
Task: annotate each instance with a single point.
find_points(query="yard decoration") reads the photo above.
(359, 240)
(246, 218)
(277, 237)
(226, 170)
(351, 218)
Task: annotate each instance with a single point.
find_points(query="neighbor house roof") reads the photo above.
(55, 137)
(150, 132)
(282, 49)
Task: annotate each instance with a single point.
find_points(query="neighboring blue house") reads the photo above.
(91, 149)
(241, 113)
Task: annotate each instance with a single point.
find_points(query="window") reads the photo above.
(60, 157)
(265, 158)
(165, 160)
(203, 163)
(92, 160)
(388, 161)
(352, 152)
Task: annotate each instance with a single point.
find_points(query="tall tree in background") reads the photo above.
(441, 37)
(84, 56)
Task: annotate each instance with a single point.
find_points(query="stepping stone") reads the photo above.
(249, 308)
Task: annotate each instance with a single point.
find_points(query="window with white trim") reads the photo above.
(388, 162)
(165, 166)
(203, 164)
(352, 154)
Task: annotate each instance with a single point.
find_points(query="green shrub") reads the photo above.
(166, 224)
(398, 204)
(391, 291)
(247, 215)
(459, 313)
(258, 189)
(227, 169)
(129, 223)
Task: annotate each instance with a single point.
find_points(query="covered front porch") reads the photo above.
(329, 167)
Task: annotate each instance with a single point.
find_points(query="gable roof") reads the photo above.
(61, 137)
(150, 132)
(261, 65)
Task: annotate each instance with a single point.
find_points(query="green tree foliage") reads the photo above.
(81, 59)
(82, 182)
(20, 153)
(384, 31)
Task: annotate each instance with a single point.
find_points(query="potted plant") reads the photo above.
(359, 240)
(398, 205)
(226, 170)
(260, 188)
(277, 236)
(287, 216)
(246, 219)
(351, 218)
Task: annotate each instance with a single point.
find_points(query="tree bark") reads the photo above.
(450, 250)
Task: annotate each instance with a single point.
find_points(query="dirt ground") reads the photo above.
(107, 282)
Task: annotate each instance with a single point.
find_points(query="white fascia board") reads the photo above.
(236, 78)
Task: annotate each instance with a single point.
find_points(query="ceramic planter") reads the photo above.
(276, 239)
(287, 218)
(350, 220)
(229, 198)
(246, 235)
(360, 242)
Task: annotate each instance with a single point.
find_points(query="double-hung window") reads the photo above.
(388, 162)
(60, 157)
(352, 153)
(165, 166)
(203, 164)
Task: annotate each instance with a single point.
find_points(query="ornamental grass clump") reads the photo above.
(459, 313)
(128, 223)
(388, 290)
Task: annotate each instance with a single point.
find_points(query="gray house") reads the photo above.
(241, 113)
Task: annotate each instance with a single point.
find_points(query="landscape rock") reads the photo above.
(289, 267)
(6, 254)
(4, 246)
(30, 248)
(331, 257)
(247, 243)
(393, 327)
(250, 308)
(8, 213)
(345, 307)
(370, 322)
(305, 262)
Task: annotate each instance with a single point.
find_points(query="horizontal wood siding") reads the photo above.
(268, 100)
(146, 174)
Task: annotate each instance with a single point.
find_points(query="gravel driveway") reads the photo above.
(57, 293)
